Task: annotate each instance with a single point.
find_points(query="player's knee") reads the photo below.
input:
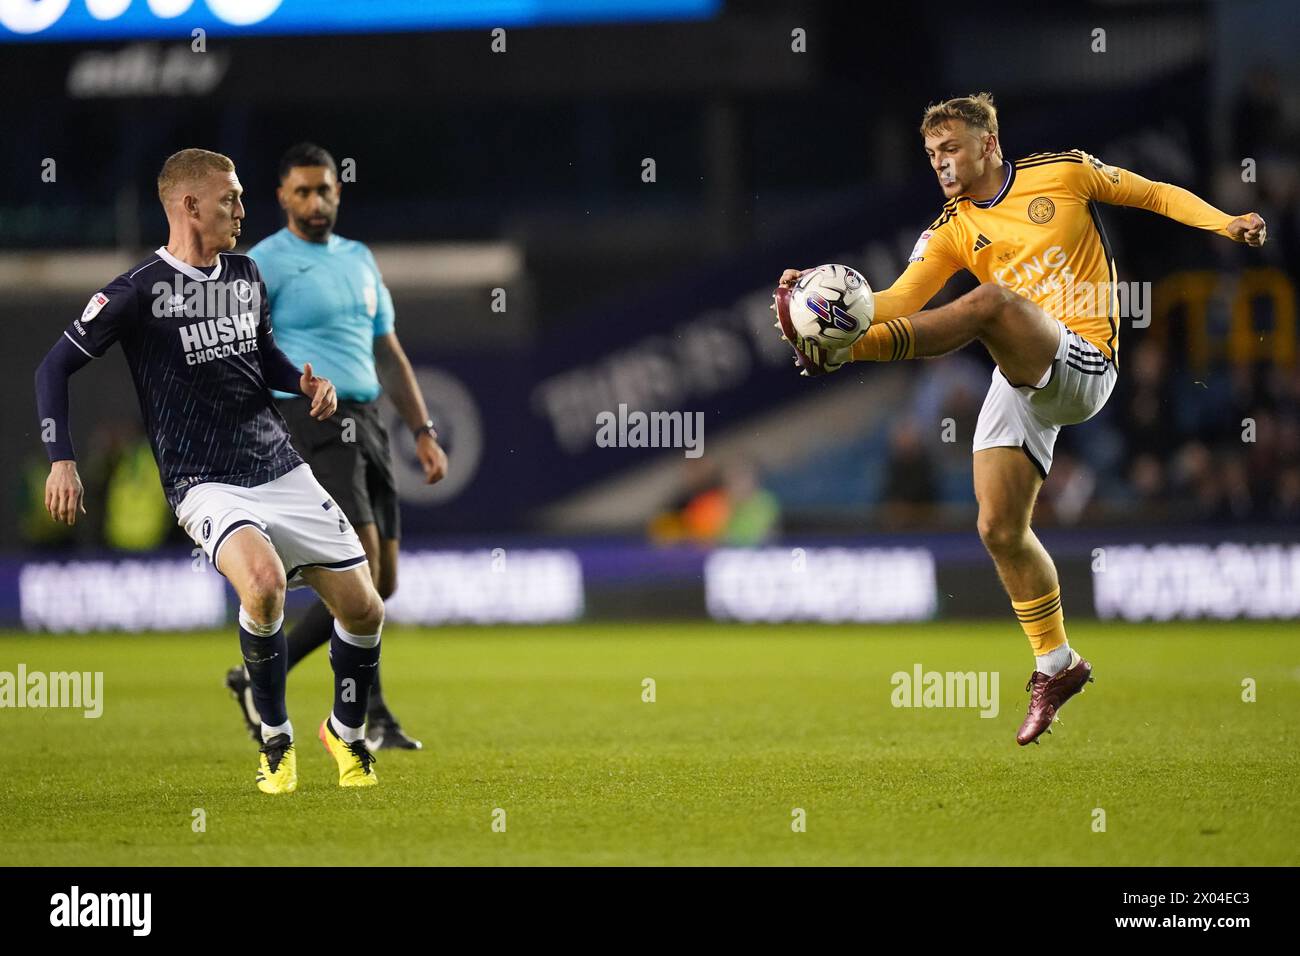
(373, 617)
(365, 615)
(990, 300)
(1000, 534)
(263, 592)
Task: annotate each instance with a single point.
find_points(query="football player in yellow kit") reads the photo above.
(1048, 311)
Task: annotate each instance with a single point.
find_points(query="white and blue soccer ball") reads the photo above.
(832, 306)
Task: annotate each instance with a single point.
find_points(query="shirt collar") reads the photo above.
(1006, 188)
(185, 269)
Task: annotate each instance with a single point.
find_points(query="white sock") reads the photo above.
(357, 640)
(349, 735)
(1054, 661)
(268, 731)
(261, 630)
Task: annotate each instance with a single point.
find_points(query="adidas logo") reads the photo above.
(981, 242)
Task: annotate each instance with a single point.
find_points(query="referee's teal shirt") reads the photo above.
(328, 303)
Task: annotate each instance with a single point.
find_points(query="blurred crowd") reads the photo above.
(718, 505)
(1223, 449)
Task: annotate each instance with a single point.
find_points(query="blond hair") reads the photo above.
(977, 112)
(188, 166)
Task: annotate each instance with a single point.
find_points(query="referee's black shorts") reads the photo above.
(358, 474)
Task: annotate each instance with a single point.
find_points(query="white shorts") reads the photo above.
(293, 512)
(1030, 416)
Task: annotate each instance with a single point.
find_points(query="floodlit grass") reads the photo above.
(748, 724)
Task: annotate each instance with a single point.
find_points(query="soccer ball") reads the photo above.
(831, 305)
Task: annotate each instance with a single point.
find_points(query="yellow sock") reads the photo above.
(886, 342)
(1043, 621)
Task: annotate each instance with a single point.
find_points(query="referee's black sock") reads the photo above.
(312, 630)
(376, 707)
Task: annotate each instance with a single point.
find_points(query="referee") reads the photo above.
(329, 303)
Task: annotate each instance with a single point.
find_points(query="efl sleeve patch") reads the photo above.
(918, 250)
(97, 302)
(1110, 172)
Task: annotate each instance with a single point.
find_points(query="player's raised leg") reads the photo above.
(1007, 482)
(250, 563)
(354, 655)
(1019, 335)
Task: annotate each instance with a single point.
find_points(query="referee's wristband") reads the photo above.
(426, 427)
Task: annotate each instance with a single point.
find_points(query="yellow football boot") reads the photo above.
(356, 763)
(277, 770)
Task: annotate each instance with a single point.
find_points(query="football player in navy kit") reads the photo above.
(193, 321)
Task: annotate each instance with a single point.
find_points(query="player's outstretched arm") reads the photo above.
(64, 493)
(1122, 187)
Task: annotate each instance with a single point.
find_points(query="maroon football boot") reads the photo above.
(1047, 695)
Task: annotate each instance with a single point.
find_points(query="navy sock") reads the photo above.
(354, 671)
(266, 660)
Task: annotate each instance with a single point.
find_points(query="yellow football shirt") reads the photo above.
(1040, 237)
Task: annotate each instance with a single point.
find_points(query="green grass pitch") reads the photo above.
(748, 724)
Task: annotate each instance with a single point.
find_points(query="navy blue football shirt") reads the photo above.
(196, 341)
